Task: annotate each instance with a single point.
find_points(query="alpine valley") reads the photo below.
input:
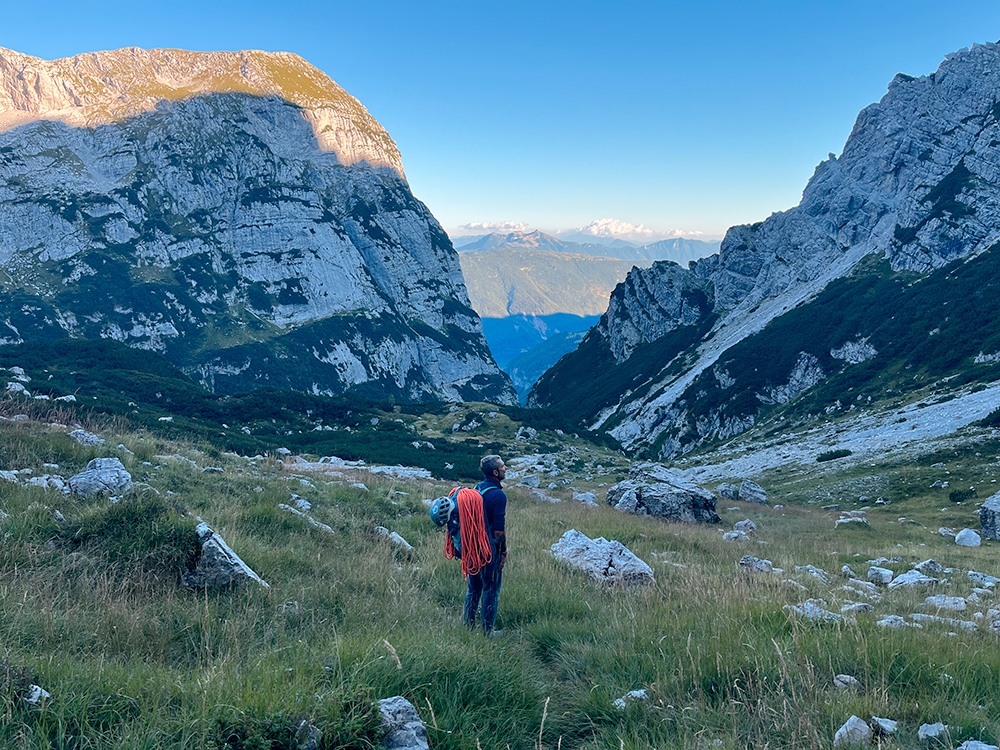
(876, 294)
(238, 213)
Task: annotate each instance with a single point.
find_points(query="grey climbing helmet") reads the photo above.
(441, 510)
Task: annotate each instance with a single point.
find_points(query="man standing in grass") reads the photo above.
(485, 585)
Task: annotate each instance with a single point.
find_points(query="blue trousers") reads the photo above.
(486, 586)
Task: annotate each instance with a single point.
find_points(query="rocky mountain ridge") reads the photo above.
(237, 212)
(916, 185)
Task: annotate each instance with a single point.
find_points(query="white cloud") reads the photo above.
(484, 227)
(617, 228)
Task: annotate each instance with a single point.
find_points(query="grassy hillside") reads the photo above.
(93, 611)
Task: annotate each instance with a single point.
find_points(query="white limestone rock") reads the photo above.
(892, 621)
(910, 579)
(603, 560)
(402, 724)
(855, 733)
(818, 573)
(846, 682)
(755, 564)
(394, 537)
(814, 610)
(936, 731)
(983, 579)
(86, 438)
(883, 727)
(941, 601)
(218, 565)
(735, 536)
(929, 566)
(967, 538)
(632, 695)
(103, 476)
(751, 492)
(655, 490)
(880, 575)
(976, 745)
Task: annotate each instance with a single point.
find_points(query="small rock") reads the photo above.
(86, 438)
(947, 533)
(746, 526)
(735, 536)
(587, 498)
(727, 491)
(847, 572)
(961, 624)
(940, 601)
(854, 733)
(751, 492)
(307, 736)
(937, 731)
(976, 745)
(360, 486)
(832, 506)
(982, 579)
(36, 695)
(883, 727)
(393, 537)
(857, 608)
(404, 729)
(632, 695)
(912, 578)
(818, 573)
(755, 564)
(850, 522)
(846, 682)
(967, 538)
(879, 575)
(892, 621)
(929, 566)
(811, 609)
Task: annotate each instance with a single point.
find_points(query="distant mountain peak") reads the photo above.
(101, 88)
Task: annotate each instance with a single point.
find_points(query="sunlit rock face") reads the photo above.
(239, 213)
(916, 188)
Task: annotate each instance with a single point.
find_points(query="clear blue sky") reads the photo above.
(672, 115)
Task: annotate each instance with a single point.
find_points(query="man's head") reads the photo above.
(493, 468)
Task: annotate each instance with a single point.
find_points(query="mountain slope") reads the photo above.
(916, 185)
(513, 281)
(237, 212)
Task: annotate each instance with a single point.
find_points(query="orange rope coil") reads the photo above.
(477, 552)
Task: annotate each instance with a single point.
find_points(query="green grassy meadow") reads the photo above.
(92, 609)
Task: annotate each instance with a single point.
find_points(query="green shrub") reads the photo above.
(831, 455)
(960, 496)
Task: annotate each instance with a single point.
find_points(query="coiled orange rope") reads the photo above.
(477, 552)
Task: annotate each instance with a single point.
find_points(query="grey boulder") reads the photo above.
(603, 560)
(404, 729)
(218, 565)
(989, 517)
(751, 492)
(103, 476)
(654, 490)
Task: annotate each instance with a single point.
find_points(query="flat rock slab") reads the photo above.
(912, 578)
(654, 490)
(218, 565)
(404, 729)
(103, 476)
(854, 733)
(603, 560)
(751, 492)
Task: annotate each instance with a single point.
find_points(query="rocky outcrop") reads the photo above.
(603, 560)
(915, 189)
(240, 214)
(654, 490)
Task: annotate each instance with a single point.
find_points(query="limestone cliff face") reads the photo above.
(917, 184)
(239, 213)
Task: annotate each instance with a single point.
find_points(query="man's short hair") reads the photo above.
(489, 464)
